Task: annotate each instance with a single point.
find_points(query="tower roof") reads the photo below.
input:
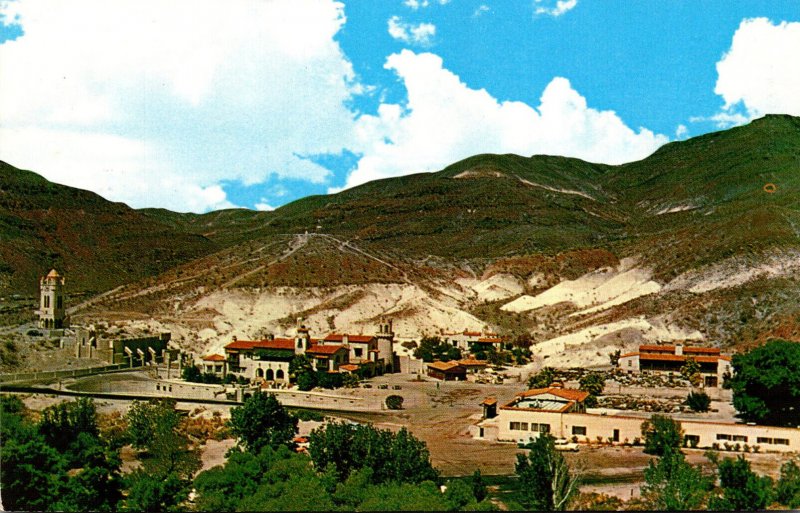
(53, 274)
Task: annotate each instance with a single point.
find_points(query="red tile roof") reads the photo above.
(564, 393)
(472, 333)
(472, 363)
(671, 349)
(445, 366)
(490, 340)
(214, 358)
(678, 358)
(349, 367)
(699, 350)
(320, 349)
(336, 337)
(489, 401)
(627, 355)
(278, 343)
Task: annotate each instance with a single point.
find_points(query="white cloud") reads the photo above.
(681, 132)
(445, 121)
(481, 10)
(264, 206)
(416, 4)
(420, 34)
(177, 96)
(760, 73)
(547, 7)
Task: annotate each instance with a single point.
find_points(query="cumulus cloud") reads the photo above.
(547, 7)
(264, 206)
(163, 98)
(760, 73)
(416, 4)
(420, 34)
(481, 10)
(445, 121)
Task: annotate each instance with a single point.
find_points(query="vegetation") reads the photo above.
(594, 383)
(394, 402)
(766, 384)
(44, 470)
(193, 374)
(545, 480)
(542, 379)
(742, 489)
(698, 401)
(262, 422)
(672, 484)
(788, 489)
(691, 371)
(661, 434)
(433, 348)
(346, 448)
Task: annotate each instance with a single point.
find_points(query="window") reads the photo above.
(513, 426)
(358, 352)
(60, 302)
(523, 426)
(540, 428)
(630, 363)
(579, 430)
(739, 438)
(780, 441)
(47, 301)
(721, 436)
(763, 440)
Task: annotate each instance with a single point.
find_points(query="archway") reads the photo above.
(259, 373)
(279, 374)
(270, 375)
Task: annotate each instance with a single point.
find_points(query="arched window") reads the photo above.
(270, 375)
(279, 374)
(259, 373)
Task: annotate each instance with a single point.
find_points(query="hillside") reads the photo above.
(97, 244)
(701, 240)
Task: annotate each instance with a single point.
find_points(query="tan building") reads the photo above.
(466, 340)
(447, 371)
(214, 364)
(561, 413)
(669, 359)
(52, 310)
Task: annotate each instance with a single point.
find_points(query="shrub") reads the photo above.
(698, 401)
(394, 402)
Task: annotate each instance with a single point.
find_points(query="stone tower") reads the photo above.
(52, 313)
(385, 338)
(302, 341)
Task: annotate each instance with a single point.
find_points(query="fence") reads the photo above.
(25, 377)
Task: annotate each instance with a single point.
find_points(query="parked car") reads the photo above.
(563, 444)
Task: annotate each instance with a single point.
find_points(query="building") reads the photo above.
(473, 366)
(52, 311)
(561, 412)
(447, 371)
(133, 351)
(269, 359)
(214, 364)
(666, 359)
(467, 340)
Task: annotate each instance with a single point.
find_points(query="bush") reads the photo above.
(394, 402)
(698, 401)
(660, 434)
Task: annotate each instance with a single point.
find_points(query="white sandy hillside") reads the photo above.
(594, 291)
(735, 272)
(590, 347)
(250, 314)
(494, 288)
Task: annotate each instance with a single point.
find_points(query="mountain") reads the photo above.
(701, 240)
(97, 244)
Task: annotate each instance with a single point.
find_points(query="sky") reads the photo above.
(194, 105)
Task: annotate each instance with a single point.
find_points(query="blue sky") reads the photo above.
(195, 106)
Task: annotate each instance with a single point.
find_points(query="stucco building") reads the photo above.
(666, 359)
(52, 310)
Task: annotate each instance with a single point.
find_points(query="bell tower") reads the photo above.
(52, 312)
(385, 338)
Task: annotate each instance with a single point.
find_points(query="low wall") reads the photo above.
(27, 377)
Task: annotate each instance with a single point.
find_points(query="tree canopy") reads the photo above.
(672, 484)
(545, 480)
(766, 384)
(433, 348)
(661, 433)
(262, 422)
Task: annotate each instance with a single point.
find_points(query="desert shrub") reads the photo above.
(698, 401)
(394, 402)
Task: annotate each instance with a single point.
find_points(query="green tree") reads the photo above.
(543, 379)
(698, 401)
(62, 423)
(614, 357)
(661, 433)
(766, 384)
(391, 456)
(262, 421)
(424, 496)
(145, 417)
(307, 381)
(545, 480)
(672, 484)
(394, 402)
(742, 489)
(432, 348)
(691, 371)
(300, 365)
(594, 383)
(788, 490)
(478, 486)
(192, 373)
